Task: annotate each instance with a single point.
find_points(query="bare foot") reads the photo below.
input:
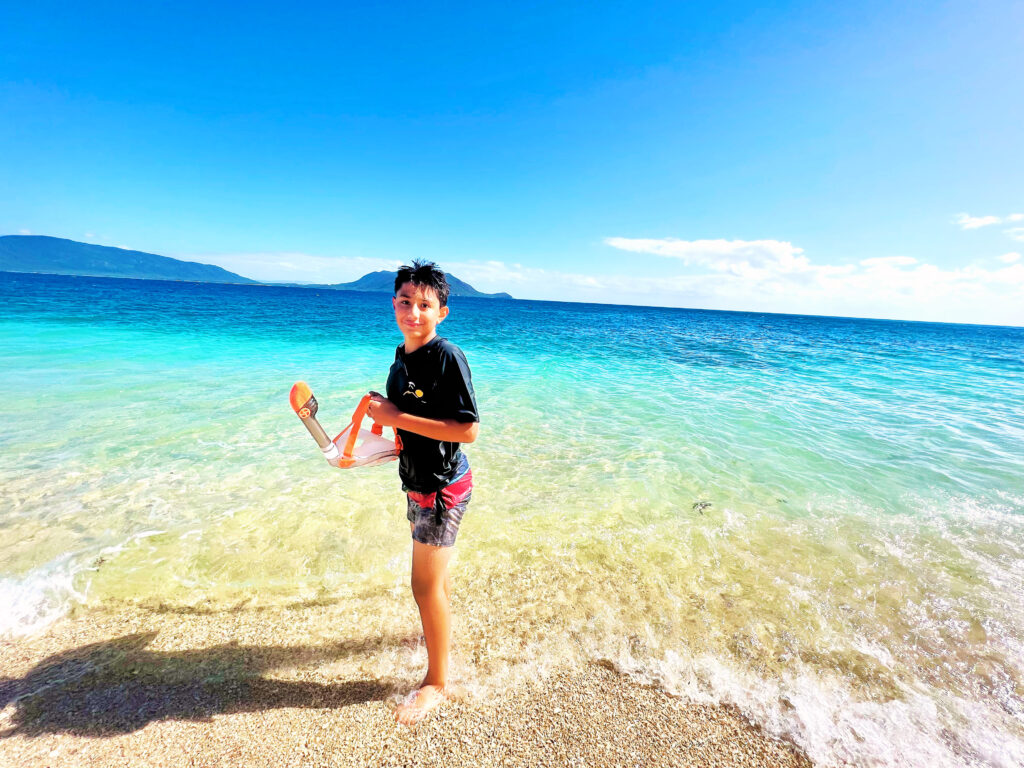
(419, 703)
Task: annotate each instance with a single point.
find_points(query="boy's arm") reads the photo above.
(387, 414)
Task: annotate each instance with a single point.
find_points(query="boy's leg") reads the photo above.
(447, 576)
(430, 588)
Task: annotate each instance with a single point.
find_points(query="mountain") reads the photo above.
(384, 282)
(54, 255)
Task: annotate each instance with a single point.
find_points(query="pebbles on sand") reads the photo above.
(208, 697)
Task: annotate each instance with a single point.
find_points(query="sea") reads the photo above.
(817, 520)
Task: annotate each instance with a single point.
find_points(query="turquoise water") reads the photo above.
(820, 520)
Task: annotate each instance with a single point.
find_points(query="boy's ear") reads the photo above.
(442, 314)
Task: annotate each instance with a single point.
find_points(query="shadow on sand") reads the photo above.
(117, 686)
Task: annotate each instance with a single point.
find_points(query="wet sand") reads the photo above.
(136, 686)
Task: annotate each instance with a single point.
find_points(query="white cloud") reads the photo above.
(721, 255)
(966, 221)
(293, 267)
(1010, 258)
(24, 231)
(776, 276)
(534, 282)
(889, 261)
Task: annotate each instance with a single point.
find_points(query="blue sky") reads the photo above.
(804, 157)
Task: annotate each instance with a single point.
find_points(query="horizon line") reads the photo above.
(491, 297)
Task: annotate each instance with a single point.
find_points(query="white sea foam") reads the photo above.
(30, 603)
(835, 726)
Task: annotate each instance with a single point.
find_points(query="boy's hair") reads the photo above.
(427, 275)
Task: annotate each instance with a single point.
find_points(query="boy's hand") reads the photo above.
(387, 414)
(383, 412)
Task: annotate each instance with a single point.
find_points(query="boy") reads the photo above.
(431, 403)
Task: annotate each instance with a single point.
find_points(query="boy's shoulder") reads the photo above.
(448, 349)
(439, 348)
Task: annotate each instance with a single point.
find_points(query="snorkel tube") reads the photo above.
(353, 447)
(305, 405)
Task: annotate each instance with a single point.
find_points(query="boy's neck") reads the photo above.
(411, 345)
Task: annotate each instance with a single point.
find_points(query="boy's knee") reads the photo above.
(421, 587)
(426, 584)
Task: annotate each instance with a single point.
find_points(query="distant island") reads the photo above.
(57, 256)
(384, 282)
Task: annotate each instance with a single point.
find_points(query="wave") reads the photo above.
(835, 726)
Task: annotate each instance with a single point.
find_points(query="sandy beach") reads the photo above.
(141, 686)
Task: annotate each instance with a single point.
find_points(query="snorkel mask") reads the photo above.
(354, 446)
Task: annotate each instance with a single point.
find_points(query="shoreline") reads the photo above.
(138, 686)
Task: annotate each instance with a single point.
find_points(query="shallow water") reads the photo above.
(817, 519)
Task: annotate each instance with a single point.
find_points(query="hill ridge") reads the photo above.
(61, 256)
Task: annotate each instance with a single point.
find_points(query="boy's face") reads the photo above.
(417, 312)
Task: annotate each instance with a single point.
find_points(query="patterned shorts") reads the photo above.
(436, 516)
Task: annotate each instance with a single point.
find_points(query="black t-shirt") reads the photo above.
(433, 382)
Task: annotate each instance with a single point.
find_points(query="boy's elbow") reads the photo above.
(472, 430)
